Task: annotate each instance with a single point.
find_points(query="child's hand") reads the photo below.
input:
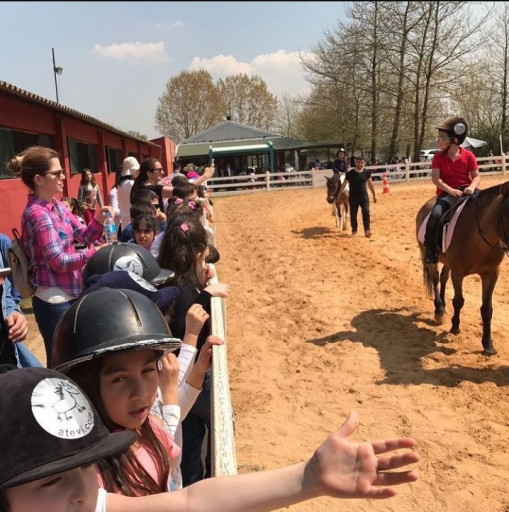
(217, 290)
(202, 364)
(344, 469)
(195, 319)
(206, 273)
(168, 379)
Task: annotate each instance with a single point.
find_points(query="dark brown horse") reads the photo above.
(478, 245)
(339, 202)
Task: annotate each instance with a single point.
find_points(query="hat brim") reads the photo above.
(163, 343)
(164, 276)
(113, 444)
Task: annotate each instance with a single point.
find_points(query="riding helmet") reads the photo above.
(109, 320)
(129, 257)
(456, 127)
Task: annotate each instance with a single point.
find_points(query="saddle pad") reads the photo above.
(447, 231)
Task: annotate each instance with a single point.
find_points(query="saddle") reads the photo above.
(447, 223)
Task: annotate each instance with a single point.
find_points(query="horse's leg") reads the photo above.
(342, 210)
(488, 285)
(457, 301)
(440, 294)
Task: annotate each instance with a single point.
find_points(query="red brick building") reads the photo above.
(82, 141)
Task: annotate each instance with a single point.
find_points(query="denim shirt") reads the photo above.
(11, 297)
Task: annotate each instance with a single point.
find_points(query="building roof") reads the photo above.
(228, 130)
(12, 90)
(228, 134)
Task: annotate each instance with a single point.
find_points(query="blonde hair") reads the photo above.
(30, 162)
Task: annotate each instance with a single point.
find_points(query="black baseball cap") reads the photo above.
(51, 426)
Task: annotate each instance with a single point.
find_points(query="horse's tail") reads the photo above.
(427, 277)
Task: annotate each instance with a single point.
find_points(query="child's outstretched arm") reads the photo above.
(338, 468)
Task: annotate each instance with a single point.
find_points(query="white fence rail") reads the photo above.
(252, 183)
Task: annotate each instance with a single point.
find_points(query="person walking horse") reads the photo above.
(455, 173)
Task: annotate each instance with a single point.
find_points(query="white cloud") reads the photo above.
(152, 52)
(168, 25)
(282, 70)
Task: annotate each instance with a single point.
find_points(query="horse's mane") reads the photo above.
(490, 193)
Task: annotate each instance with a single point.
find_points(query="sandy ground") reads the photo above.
(320, 322)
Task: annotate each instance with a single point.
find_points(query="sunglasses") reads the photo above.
(157, 169)
(60, 173)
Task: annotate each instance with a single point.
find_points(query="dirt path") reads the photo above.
(320, 323)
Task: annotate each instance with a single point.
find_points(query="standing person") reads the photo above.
(113, 199)
(184, 249)
(455, 173)
(130, 169)
(88, 191)
(13, 323)
(56, 471)
(357, 179)
(48, 233)
(340, 165)
(148, 178)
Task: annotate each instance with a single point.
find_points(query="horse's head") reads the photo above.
(333, 184)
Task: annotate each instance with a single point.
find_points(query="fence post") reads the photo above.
(267, 179)
(407, 169)
(503, 163)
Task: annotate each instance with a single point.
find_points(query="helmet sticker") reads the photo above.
(142, 282)
(61, 409)
(129, 264)
(459, 128)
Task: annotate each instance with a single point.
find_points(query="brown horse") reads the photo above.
(339, 202)
(478, 245)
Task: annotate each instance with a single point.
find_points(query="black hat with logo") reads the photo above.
(51, 427)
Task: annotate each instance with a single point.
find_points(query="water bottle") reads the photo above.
(110, 229)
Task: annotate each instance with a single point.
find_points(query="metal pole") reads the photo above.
(55, 74)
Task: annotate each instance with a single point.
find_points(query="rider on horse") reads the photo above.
(340, 165)
(455, 173)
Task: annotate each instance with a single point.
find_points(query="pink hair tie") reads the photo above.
(184, 227)
(179, 201)
(192, 205)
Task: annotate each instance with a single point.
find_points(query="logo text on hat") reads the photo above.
(61, 409)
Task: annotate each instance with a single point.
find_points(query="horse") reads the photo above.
(478, 245)
(339, 201)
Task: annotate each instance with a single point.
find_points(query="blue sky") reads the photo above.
(117, 56)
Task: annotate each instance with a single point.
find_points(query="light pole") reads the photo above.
(56, 71)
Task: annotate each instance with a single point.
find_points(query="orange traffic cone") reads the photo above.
(385, 183)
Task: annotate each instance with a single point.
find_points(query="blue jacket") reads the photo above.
(11, 297)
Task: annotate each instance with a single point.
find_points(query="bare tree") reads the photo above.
(189, 104)
(247, 100)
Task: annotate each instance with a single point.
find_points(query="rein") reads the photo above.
(504, 245)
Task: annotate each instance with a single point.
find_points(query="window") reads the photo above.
(13, 142)
(82, 156)
(113, 159)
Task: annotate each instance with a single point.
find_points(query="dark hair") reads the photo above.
(183, 239)
(146, 166)
(177, 206)
(123, 472)
(145, 221)
(183, 190)
(84, 177)
(138, 209)
(30, 162)
(177, 180)
(144, 195)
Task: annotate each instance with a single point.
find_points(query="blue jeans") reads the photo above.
(194, 428)
(47, 316)
(25, 358)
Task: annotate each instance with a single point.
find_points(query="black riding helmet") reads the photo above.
(456, 127)
(130, 257)
(109, 320)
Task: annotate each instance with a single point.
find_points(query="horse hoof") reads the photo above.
(439, 319)
(489, 351)
(455, 330)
